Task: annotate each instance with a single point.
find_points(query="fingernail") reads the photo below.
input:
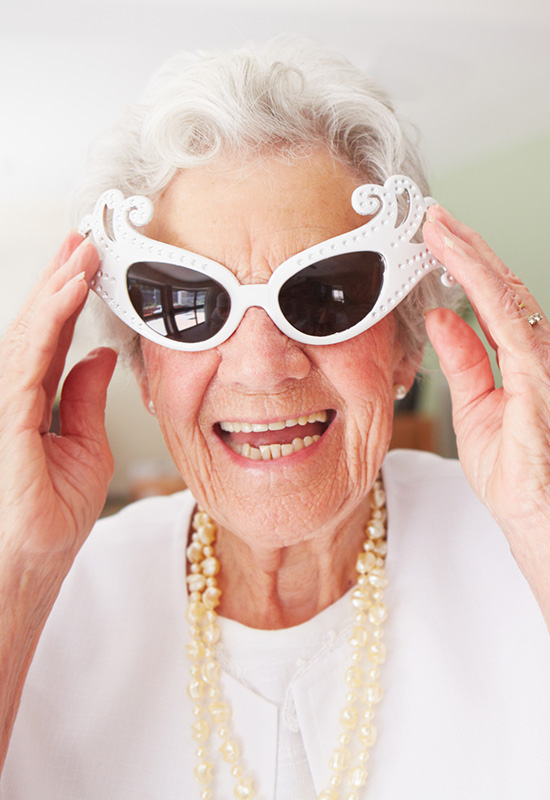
(80, 277)
(427, 310)
(448, 243)
(86, 242)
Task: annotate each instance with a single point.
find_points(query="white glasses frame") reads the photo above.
(405, 262)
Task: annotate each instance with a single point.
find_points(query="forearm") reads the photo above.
(27, 594)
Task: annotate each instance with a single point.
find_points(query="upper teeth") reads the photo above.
(260, 427)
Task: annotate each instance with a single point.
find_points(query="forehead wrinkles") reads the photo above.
(258, 259)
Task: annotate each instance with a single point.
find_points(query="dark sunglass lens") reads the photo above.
(333, 295)
(177, 302)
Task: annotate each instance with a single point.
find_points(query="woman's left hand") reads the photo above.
(503, 435)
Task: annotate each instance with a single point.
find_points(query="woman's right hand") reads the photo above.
(52, 488)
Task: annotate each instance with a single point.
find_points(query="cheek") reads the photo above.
(361, 369)
(178, 381)
(361, 373)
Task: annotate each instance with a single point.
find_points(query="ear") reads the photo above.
(405, 366)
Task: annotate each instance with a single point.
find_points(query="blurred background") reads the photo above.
(473, 76)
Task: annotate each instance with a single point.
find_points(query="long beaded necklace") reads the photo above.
(358, 734)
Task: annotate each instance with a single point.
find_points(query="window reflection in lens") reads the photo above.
(333, 295)
(177, 302)
(324, 298)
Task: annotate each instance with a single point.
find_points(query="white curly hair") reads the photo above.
(284, 97)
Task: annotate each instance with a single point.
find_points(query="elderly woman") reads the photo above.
(238, 639)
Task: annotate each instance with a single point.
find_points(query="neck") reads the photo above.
(280, 588)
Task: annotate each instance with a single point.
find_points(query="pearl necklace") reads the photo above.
(358, 734)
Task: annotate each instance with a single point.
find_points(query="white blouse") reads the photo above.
(466, 711)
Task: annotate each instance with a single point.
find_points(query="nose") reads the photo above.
(259, 357)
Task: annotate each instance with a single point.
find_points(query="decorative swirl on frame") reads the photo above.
(383, 203)
(137, 210)
(115, 217)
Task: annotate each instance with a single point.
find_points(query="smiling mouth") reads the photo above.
(266, 441)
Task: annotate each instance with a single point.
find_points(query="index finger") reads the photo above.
(499, 298)
(473, 240)
(35, 346)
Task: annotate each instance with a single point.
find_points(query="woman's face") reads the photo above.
(251, 218)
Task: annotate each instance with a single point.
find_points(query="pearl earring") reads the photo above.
(399, 391)
(151, 407)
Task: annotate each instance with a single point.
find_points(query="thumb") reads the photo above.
(462, 358)
(82, 408)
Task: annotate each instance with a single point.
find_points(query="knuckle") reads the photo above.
(513, 280)
(509, 299)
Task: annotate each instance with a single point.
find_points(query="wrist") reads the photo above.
(28, 590)
(30, 583)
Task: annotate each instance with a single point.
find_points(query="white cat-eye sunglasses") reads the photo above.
(323, 295)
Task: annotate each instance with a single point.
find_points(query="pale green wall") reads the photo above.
(505, 196)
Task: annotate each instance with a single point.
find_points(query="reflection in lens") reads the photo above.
(334, 294)
(177, 302)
